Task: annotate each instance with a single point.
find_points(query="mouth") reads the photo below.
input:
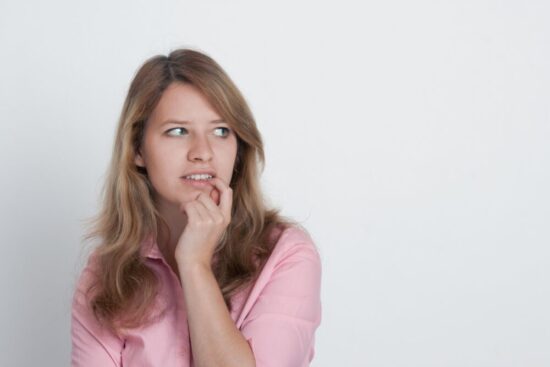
(198, 180)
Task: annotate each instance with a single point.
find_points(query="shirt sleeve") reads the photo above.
(280, 327)
(92, 345)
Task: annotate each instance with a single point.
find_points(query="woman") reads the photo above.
(192, 269)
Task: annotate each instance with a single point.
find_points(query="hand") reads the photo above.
(215, 195)
(206, 222)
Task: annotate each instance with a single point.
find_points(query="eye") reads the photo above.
(176, 128)
(224, 131)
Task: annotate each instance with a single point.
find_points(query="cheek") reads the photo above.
(233, 151)
(228, 155)
(231, 159)
(163, 165)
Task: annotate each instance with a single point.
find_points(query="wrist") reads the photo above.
(189, 266)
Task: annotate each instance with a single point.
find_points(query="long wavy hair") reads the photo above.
(125, 288)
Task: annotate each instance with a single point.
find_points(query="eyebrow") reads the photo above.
(185, 122)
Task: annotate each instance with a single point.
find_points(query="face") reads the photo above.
(185, 135)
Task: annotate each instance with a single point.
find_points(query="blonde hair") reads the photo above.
(125, 288)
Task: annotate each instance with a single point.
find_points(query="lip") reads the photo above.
(197, 183)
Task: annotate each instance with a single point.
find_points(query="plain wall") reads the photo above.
(411, 138)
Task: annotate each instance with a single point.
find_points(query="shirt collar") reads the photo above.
(150, 249)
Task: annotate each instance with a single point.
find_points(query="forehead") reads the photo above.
(183, 102)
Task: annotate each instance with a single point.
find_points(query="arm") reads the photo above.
(215, 339)
(92, 346)
(282, 321)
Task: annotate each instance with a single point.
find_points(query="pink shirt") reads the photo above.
(278, 317)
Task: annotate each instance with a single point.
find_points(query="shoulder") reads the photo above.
(290, 280)
(87, 276)
(295, 239)
(296, 249)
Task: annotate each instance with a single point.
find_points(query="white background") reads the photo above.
(410, 137)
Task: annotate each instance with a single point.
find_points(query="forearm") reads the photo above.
(215, 339)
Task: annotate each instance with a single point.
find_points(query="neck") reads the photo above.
(168, 237)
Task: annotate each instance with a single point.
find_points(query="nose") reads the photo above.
(200, 150)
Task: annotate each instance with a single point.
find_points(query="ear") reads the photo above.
(138, 160)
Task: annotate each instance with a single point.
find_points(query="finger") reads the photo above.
(226, 195)
(204, 209)
(213, 210)
(215, 195)
(192, 211)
